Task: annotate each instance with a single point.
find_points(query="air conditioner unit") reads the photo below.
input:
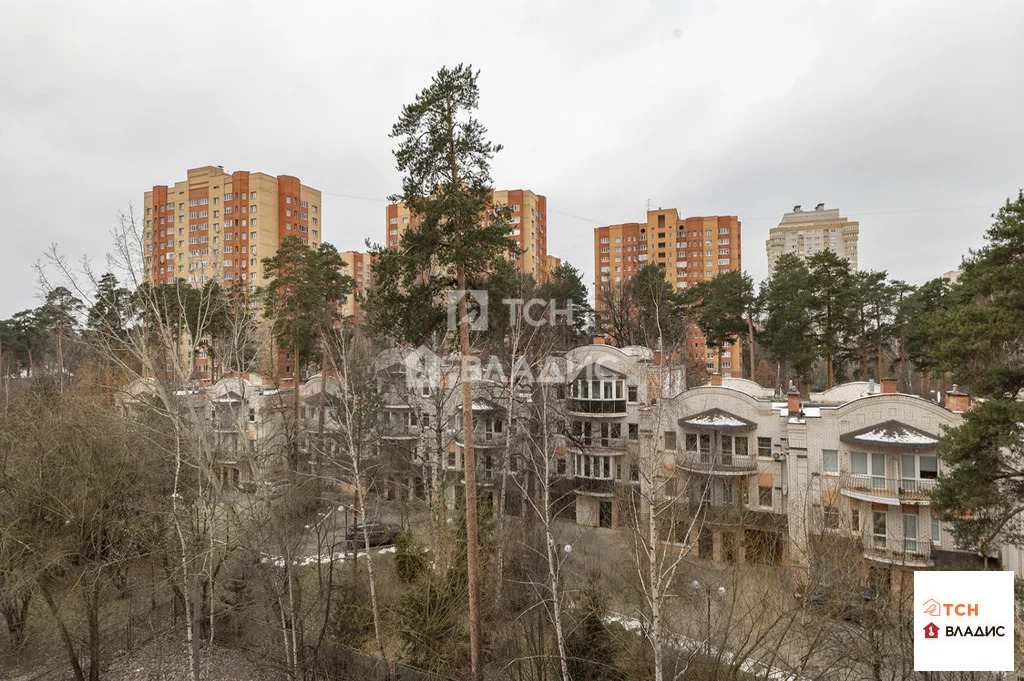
(777, 456)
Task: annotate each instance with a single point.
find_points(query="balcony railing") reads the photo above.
(723, 464)
(482, 438)
(401, 430)
(904, 489)
(595, 485)
(917, 552)
(601, 442)
(584, 406)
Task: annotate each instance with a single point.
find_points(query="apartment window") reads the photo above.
(855, 520)
(831, 518)
(830, 460)
(670, 439)
(936, 530)
(634, 431)
(910, 532)
(873, 466)
(764, 496)
(878, 532)
(216, 200)
(631, 393)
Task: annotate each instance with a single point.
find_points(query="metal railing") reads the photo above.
(400, 430)
(484, 438)
(909, 489)
(707, 462)
(909, 551)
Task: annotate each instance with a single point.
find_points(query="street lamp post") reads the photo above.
(708, 592)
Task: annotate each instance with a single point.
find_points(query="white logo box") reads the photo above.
(963, 621)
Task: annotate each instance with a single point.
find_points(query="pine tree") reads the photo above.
(832, 307)
(725, 309)
(590, 646)
(786, 299)
(303, 296)
(975, 330)
(444, 156)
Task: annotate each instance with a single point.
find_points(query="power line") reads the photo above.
(898, 211)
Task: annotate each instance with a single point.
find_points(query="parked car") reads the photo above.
(379, 534)
(851, 605)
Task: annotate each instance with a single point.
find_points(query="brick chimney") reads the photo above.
(793, 401)
(957, 402)
(716, 378)
(888, 385)
(598, 340)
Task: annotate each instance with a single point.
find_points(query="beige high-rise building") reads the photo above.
(691, 250)
(529, 229)
(219, 226)
(358, 265)
(806, 232)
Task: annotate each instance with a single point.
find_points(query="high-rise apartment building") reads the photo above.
(806, 232)
(690, 249)
(218, 226)
(529, 229)
(358, 265)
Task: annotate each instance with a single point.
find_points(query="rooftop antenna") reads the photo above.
(648, 204)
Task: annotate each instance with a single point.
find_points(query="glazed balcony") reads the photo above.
(589, 407)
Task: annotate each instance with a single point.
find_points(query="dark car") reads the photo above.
(378, 534)
(857, 606)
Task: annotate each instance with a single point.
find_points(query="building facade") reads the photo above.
(691, 250)
(821, 484)
(359, 266)
(806, 232)
(529, 229)
(218, 226)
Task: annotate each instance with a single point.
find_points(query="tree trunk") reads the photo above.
(750, 341)
(65, 636)
(904, 375)
(828, 365)
(92, 605)
(469, 466)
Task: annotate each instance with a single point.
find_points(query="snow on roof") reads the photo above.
(902, 437)
(715, 420)
(892, 434)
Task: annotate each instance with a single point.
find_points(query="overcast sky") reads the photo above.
(906, 116)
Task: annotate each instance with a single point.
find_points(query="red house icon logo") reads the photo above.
(931, 630)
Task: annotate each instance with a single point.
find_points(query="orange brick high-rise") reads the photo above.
(219, 226)
(529, 229)
(690, 249)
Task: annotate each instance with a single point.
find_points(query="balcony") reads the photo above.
(616, 444)
(399, 431)
(886, 490)
(705, 463)
(482, 438)
(599, 487)
(909, 552)
(597, 407)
